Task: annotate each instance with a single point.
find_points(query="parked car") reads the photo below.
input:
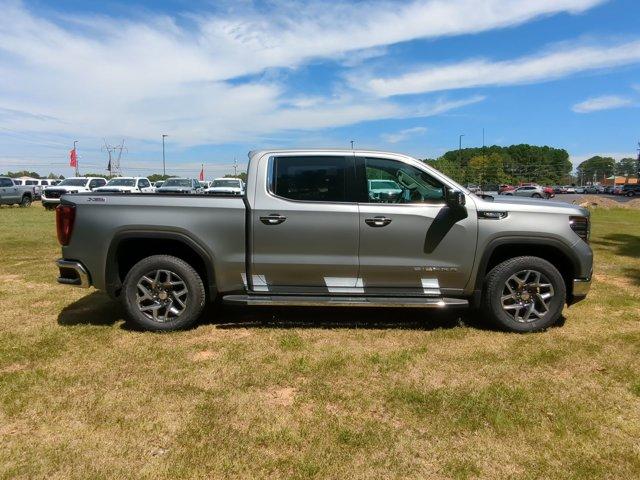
(559, 189)
(505, 188)
(581, 190)
(528, 191)
(158, 184)
(309, 234)
(226, 186)
(617, 190)
(548, 192)
(383, 190)
(473, 188)
(127, 185)
(12, 193)
(630, 190)
(180, 185)
(570, 189)
(51, 195)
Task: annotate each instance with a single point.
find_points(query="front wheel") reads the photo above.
(26, 201)
(163, 293)
(536, 195)
(524, 294)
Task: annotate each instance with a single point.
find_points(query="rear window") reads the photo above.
(311, 179)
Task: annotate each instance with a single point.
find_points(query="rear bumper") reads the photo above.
(73, 273)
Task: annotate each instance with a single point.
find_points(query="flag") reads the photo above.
(73, 158)
(201, 178)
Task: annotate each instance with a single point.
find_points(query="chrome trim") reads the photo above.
(82, 279)
(344, 301)
(581, 287)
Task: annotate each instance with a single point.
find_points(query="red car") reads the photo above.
(549, 192)
(505, 188)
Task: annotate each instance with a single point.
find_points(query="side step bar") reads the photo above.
(319, 301)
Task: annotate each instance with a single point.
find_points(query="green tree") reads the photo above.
(23, 173)
(626, 166)
(596, 168)
(242, 176)
(487, 169)
(156, 177)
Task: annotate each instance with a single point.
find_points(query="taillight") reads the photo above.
(581, 226)
(65, 217)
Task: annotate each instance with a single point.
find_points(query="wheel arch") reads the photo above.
(130, 246)
(554, 251)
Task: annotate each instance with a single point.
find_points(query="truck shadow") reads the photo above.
(627, 245)
(98, 309)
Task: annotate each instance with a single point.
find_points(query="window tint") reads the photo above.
(31, 182)
(5, 182)
(390, 181)
(143, 183)
(312, 179)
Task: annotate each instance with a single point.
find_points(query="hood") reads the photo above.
(115, 189)
(527, 204)
(173, 189)
(224, 189)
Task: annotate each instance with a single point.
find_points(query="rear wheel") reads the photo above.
(536, 195)
(162, 293)
(524, 294)
(26, 201)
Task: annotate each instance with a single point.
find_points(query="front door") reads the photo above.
(304, 230)
(410, 240)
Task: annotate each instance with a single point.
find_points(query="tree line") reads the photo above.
(496, 165)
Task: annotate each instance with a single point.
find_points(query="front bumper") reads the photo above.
(50, 201)
(581, 287)
(73, 273)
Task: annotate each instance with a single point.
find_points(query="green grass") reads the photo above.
(308, 393)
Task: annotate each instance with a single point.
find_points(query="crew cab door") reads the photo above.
(410, 240)
(304, 228)
(8, 191)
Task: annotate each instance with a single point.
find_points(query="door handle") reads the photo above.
(378, 221)
(273, 219)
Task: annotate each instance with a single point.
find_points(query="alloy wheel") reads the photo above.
(526, 296)
(161, 295)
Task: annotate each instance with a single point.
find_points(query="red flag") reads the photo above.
(201, 178)
(73, 158)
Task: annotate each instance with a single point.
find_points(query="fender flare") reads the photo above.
(112, 277)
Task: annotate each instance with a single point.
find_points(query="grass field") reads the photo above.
(314, 393)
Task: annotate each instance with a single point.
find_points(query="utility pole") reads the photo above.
(113, 166)
(164, 170)
(460, 148)
(235, 167)
(352, 144)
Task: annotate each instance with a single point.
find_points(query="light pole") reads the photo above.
(164, 170)
(460, 148)
(77, 173)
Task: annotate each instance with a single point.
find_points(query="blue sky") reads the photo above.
(222, 78)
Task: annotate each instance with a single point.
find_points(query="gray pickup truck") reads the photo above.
(310, 230)
(13, 194)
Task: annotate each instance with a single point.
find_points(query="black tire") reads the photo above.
(26, 201)
(495, 288)
(536, 195)
(194, 299)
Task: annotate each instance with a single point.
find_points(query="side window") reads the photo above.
(310, 179)
(5, 182)
(44, 182)
(391, 181)
(96, 182)
(143, 183)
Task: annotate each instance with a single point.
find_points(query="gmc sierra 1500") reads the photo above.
(314, 228)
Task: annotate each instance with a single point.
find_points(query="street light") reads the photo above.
(164, 171)
(460, 148)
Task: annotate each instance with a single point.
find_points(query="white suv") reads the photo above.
(127, 185)
(51, 195)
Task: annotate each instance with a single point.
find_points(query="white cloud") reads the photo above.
(478, 73)
(604, 102)
(403, 135)
(94, 76)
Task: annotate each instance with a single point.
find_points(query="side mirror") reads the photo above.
(455, 198)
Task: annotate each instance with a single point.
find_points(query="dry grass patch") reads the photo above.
(308, 393)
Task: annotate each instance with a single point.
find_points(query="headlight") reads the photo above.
(581, 226)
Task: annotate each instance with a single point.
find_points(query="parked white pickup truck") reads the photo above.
(51, 195)
(127, 185)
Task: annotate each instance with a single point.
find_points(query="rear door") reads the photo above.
(305, 225)
(410, 240)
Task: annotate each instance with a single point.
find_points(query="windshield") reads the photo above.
(177, 182)
(384, 184)
(73, 182)
(226, 183)
(121, 182)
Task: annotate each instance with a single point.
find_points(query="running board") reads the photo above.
(318, 301)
